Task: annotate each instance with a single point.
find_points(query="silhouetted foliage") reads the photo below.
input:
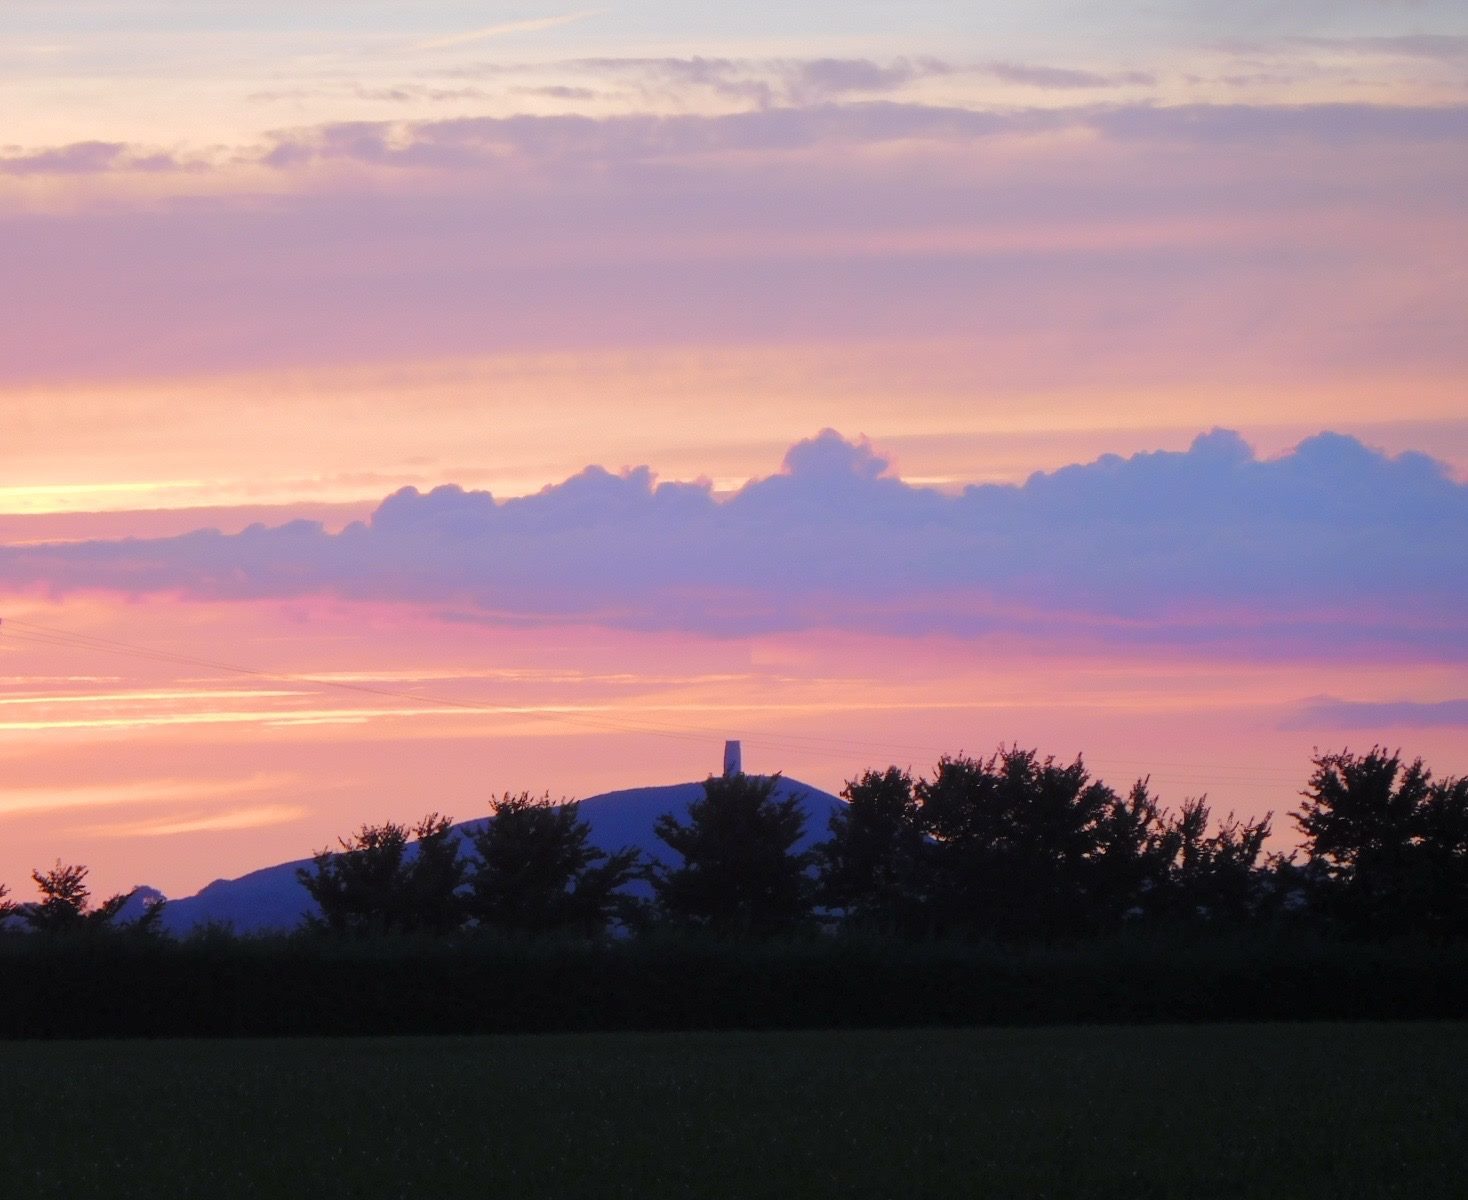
(1030, 847)
(1135, 851)
(741, 875)
(374, 884)
(435, 878)
(874, 866)
(1215, 876)
(1394, 842)
(1443, 855)
(538, 873)
(1013, 846)
(65, 904)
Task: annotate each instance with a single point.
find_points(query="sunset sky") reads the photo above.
(408, 403)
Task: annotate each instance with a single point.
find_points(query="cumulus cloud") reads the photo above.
(1333, 547)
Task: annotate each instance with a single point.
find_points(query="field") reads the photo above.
(1129, 1112)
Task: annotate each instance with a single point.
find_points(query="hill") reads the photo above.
(273, 898)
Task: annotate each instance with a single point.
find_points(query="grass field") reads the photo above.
(1190, 1112)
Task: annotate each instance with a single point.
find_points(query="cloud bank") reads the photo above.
(1331, 549)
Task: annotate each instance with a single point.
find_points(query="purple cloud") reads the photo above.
(571, 139)
(827, 78)
(762, 82)
(1329, 713)
(1326, 124)
(1061, 78)
(573, 143)
(806, 81)
(1333, 548)
(88, 158)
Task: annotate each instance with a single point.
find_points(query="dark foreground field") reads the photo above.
(1228, 1111)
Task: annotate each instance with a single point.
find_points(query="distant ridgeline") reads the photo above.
(1008, 888)
(274, 899)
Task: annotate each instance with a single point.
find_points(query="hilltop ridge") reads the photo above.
(272, 898)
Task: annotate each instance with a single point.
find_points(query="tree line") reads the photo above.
(1010, 847)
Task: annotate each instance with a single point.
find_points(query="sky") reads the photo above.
(407, 404)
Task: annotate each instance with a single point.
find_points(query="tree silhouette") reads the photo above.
(375, 884)
(1216, 876)
(873, 867)
(741, 875)
(1019, 847)
(65, 904)
(1135, 850)
(1394, 843)
(536, 871)
(435, 878)
(1016, 846)
(1443, 859)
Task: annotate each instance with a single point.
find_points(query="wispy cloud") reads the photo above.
(569, 140)
(213, 717)
(803, 81)
(90, 158)
(1063, 78)
(17, 800)
(1442, 47)
(824, 117)
(143, 697)
(507, 28)
(1329, 713)
(256, 817)
(414, 93)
